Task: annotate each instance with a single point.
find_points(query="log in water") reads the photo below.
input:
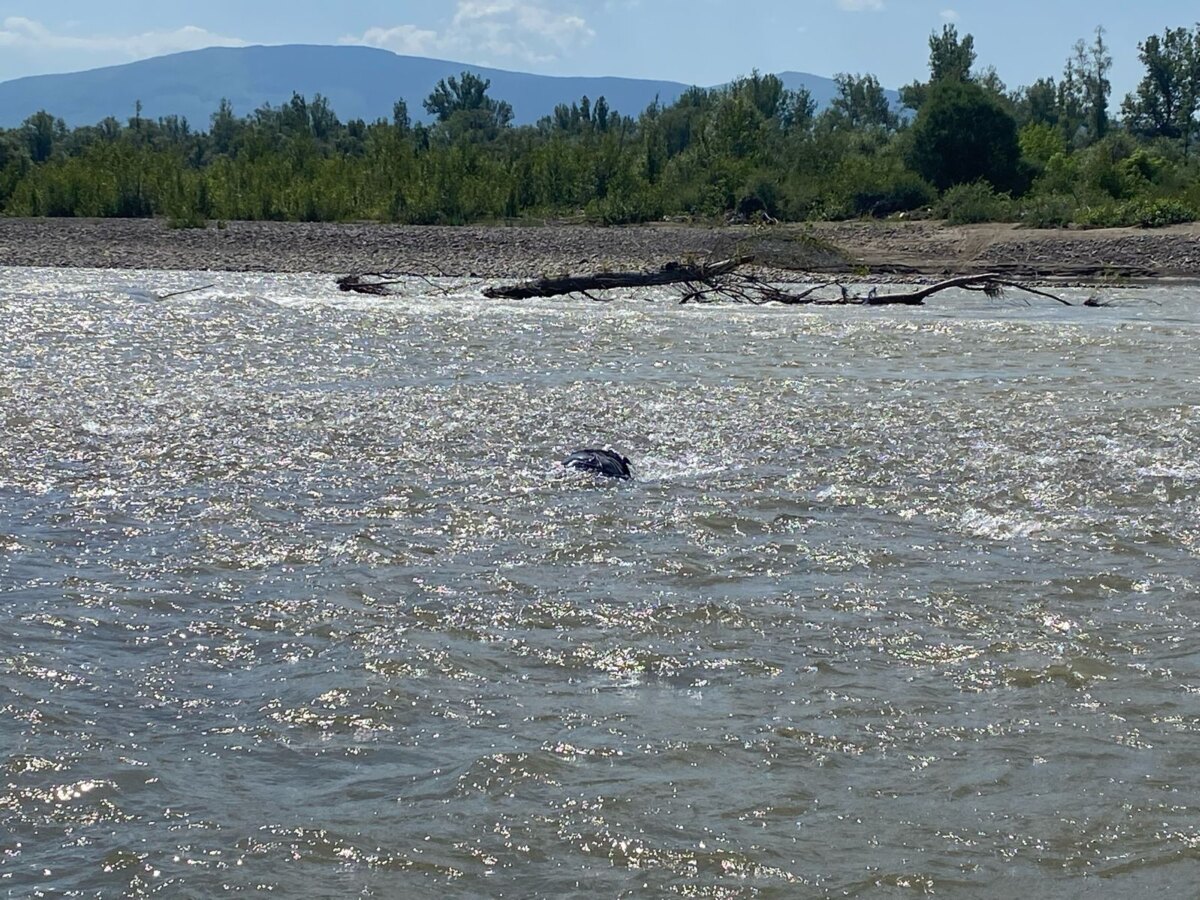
(296, 594)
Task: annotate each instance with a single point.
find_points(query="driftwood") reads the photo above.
(703, 283)
(195, 290)
(724, 280)
(375, 284)
(990, 283)
(153, 295)
(379, 284)
(671, 273)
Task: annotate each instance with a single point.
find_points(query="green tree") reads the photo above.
(42, 132)
(400, 118)
(1037, 104)
(736, 127)
(766, 93)
(1098, 86)
(467, 94)
(963, 134)
(579, 117)
(224, 128)
(1165, 103)
(801, 110)
(950, 59)
(601, 115)
(861, 102)
(323, 123)
(1084, 90)
(10, 148)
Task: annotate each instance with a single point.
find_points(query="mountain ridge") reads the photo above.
(359, 82)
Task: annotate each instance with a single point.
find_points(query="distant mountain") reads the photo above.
(360, 82)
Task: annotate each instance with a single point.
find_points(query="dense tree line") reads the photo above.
(962, 146)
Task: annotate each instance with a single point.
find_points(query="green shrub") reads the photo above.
(1060, 176)
(966, 204)
(1101, 215)
(187, 220)
(870, 186)
(1191, 195)
(1160, 213)
(1047, 211)
(623, 209)
(900, 193)
(1040, 143)
(760, 195)
(1140, 213)
(1142, 169)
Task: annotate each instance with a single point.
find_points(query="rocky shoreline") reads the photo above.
(893, 249)
(932, 248)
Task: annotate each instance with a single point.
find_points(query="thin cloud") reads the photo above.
(407, 39)
(860, 5)
(19, 33)
(496, 29)
(950, 15)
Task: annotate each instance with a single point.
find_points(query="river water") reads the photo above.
(294, 595)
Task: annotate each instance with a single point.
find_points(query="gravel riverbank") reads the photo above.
(520, 251)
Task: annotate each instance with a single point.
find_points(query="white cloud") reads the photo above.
(20, 33)
(860, 5)
(486, 30)
(950, 15)
(406, 39)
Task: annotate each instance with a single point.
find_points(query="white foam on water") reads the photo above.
(653, 467)
(999, 527)
(112, 429)
(1182, 470)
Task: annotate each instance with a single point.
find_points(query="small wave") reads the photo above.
(91, 426)
(215, 302)
(1182, 471)
(659, 468)
(141, 295)
(999, 527)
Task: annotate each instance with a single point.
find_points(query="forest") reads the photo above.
(962, 147)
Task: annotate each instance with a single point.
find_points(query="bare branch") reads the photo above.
(721, 280)
(188, 291)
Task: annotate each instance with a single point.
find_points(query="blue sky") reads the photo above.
(696, 41)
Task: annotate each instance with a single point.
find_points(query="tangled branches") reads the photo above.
(723, 281)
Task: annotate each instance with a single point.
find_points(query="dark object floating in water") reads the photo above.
(608, 463)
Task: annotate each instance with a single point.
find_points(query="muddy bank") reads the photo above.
(861, 248)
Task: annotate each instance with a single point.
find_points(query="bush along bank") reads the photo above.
(963, 147)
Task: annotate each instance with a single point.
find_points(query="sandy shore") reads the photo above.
(863, 248)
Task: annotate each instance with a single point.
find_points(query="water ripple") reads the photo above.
(297, 597)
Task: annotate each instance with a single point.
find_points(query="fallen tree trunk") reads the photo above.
(989, 282)
(708, 283)
(672, 273)
(722, 281)
(380, 284)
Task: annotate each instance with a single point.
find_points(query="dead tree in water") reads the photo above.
(707, 283)
(371, 283)
(722, 280)
(671, 273)
(379, 284)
